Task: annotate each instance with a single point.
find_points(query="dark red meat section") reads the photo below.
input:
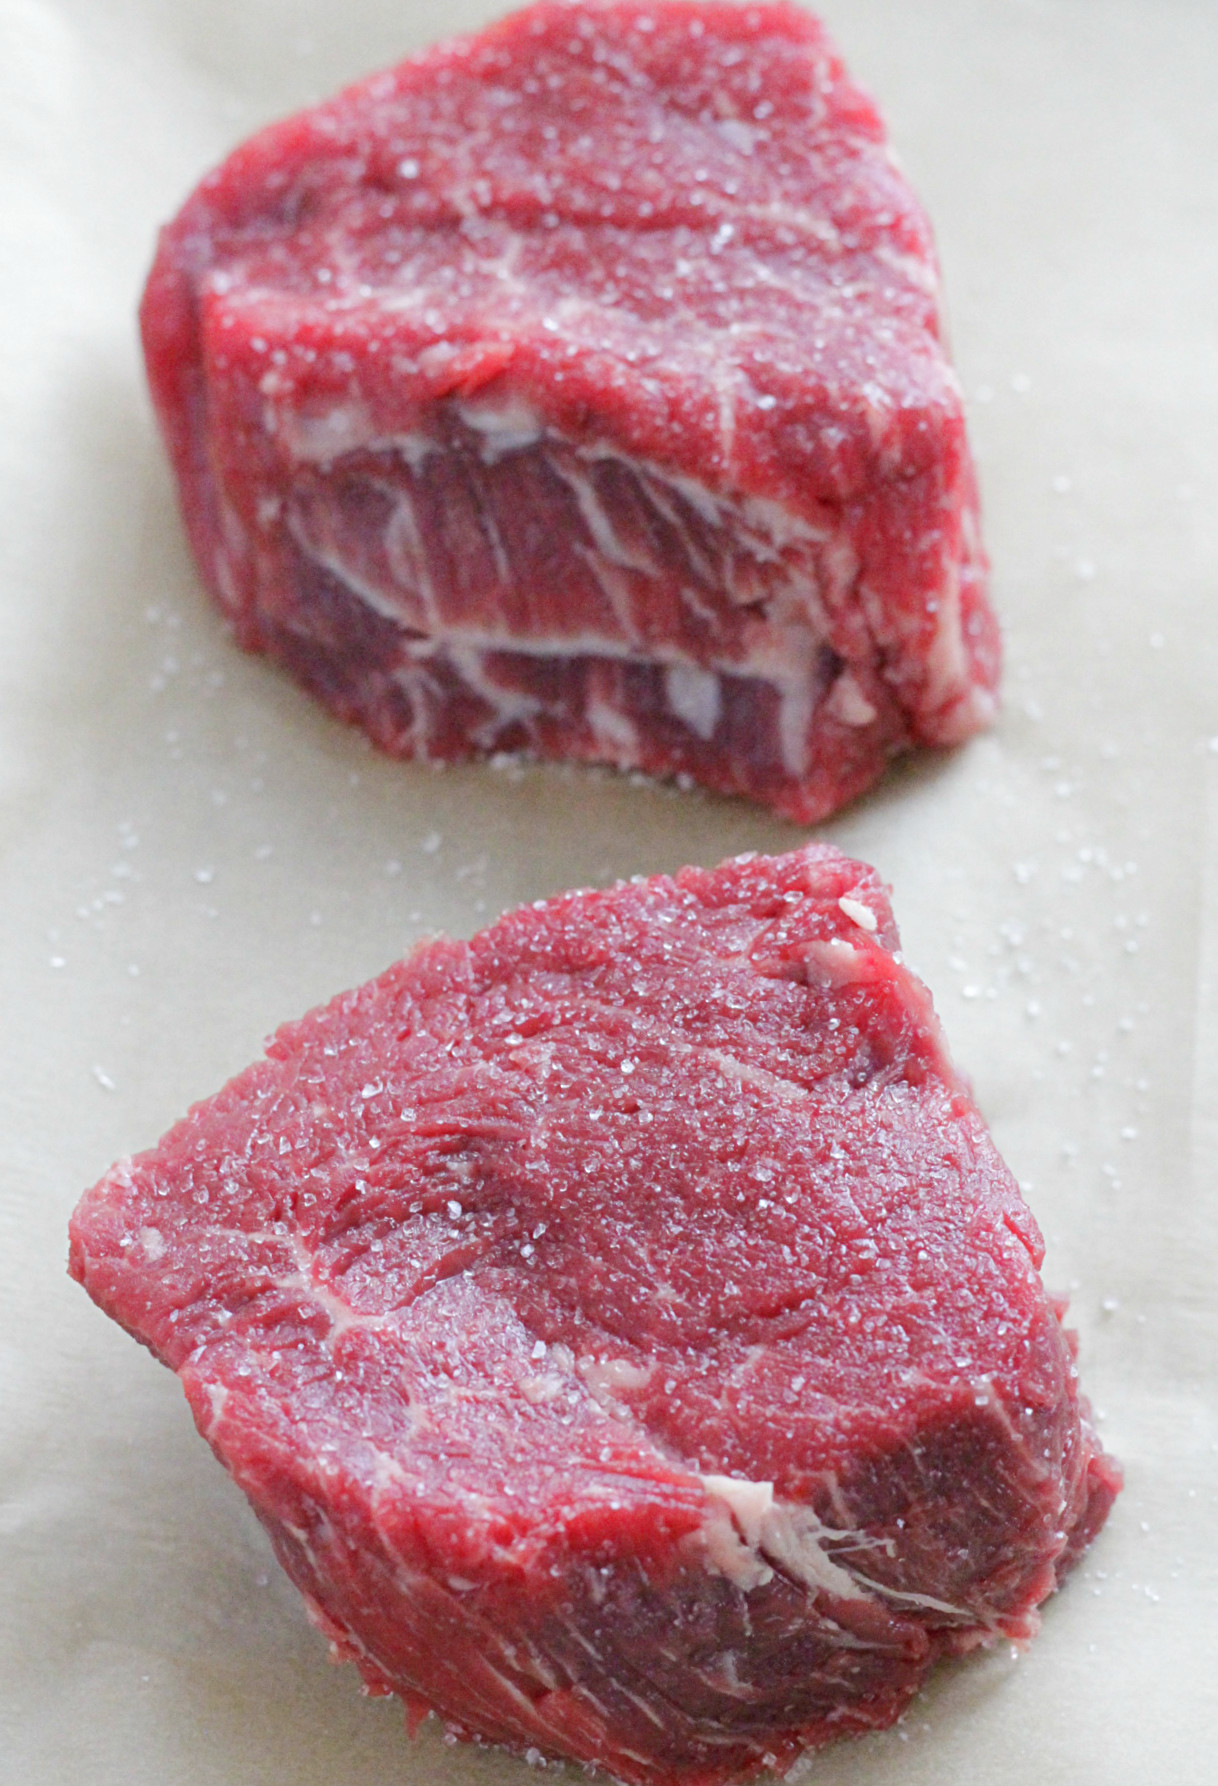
(578, 388)
(623, 1325)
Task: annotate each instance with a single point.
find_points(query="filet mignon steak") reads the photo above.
(578, 388)
(623, 1325)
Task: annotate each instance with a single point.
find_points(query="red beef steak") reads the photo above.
(579, 388)
(623, 1325)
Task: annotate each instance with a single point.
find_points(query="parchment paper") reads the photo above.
(192, 853)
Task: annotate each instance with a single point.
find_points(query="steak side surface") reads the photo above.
(578, 388)
(623, 1325)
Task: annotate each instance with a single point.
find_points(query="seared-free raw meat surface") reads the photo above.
(623, 1324)
(578, 388)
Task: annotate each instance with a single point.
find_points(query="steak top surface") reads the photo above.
(649, 1233)
(684, 222)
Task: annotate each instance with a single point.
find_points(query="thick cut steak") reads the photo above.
(578, 388)
(623, 1325)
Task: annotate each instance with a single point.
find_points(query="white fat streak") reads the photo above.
(726, 1553)
(906, 1597)
(796, 706)
(834, 962)
(744, 1074)
(616, 591)
(848, 703)
(613, 730)
(403, 549)
(766, 529)
(509, 704)
(726, 389)
(698, 605)
(575, 645)
(347, 428)
(769, 521)
(793, 1536)
(703, 501)
(607, 1377)
(946, 662)
(316, 439)
(748, 1502)
(769, 530)
(694, 696)
(408, 558)
(499, 551)
(913, 267)
(770, 527)
(778, 211)
(950, 700)
(877, 414)
(555, 645)
(303, 1283)
(342, 1315)
(599, 524)
(232, 550)
(217, 1396)
(662, 497)
(225, 580)
(763, 530)
(415, 682)
(839, 568)
(726, 1677)
(747, 1532)
(505, 427)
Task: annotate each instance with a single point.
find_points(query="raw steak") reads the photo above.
(623, 1325)
(578, 389)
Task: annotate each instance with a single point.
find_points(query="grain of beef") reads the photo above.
(623, 1325)
(578, 388)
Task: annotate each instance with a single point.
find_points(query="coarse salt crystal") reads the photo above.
(858, 913)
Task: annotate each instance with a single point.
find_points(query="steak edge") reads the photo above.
(624, 1326)
(578, 389)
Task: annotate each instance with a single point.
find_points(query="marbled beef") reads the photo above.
(623, 1325)
(578, 388)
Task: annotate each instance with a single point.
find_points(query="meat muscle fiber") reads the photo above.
(623, 1325)
(578, 388)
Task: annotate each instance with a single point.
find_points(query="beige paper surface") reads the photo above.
(192, 853)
